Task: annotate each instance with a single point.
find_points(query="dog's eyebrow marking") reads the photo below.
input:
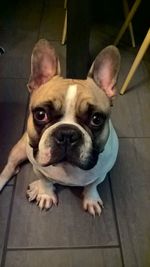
(70, 101)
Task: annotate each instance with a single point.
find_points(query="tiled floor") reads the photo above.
(66, 236)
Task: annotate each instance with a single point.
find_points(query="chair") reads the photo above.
(127, 23)
(129, 15)
(137, 61)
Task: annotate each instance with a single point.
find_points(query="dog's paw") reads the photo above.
(93, 206)
(45, 201)
(32, 191)
(43, 195)
(92, 202)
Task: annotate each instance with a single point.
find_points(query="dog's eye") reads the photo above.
(97, 119)
(40, 115)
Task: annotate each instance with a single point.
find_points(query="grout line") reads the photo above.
(116, 220)
(60, 248)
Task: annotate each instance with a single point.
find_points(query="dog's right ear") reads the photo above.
(44, 65)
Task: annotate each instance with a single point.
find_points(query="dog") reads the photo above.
(70, 138)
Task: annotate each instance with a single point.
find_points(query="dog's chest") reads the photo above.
(68, 175)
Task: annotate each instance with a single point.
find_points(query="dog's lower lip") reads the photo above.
(54, 163)
(45, 165)
(83, 167)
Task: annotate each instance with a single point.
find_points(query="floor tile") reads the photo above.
(65, 258)
(64, 226)
(13, 105)
(18, 43)
(11, 128)
(5, 198)
(15, 67)
(13, 91)
(130, 183)
(15, 62)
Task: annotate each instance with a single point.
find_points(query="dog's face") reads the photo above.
(68, 119)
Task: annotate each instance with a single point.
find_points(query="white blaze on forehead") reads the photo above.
(70, 102)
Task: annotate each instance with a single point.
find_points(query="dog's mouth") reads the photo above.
(61, 157)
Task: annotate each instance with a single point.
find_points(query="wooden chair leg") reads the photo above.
(127, 21)
(64, 30)
(126, 12)
(64, 34)
(137, 61)
(65, 4)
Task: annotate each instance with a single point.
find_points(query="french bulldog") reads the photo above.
(70, 139)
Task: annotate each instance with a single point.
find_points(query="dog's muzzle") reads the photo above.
(67, 143)
(67, 136)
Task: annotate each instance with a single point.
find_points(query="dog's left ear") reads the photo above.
(105, 68)
(44, 64)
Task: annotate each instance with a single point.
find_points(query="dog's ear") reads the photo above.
(44, 64)
(105, 68)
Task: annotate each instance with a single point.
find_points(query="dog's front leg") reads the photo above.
(91, 199)
(16, 157)
(43, 192)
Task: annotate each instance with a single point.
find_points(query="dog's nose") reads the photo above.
(67, 135)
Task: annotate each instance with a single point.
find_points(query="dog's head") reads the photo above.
(68, 119)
